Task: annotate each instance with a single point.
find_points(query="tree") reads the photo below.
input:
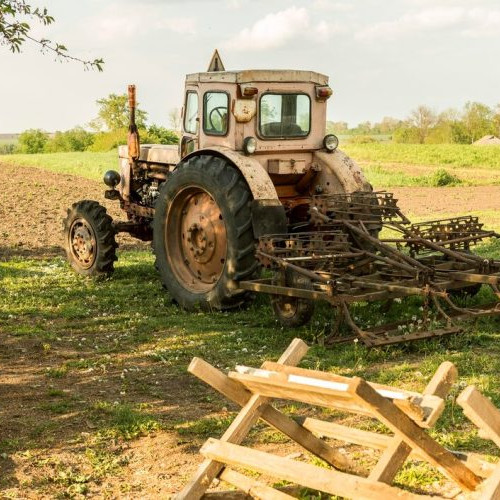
(496, 121)
(477, 119)
(422, 119)
(15, 29)
(161, 135)
(33, 141)
(175, 119)
(76, 139)
(113, 113)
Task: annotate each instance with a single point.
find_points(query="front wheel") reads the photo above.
(89, 239)
(202, 234)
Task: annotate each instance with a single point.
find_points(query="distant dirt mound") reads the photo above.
(488, 140)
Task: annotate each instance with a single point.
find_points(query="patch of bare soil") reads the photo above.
(33, 204)
(429, 201)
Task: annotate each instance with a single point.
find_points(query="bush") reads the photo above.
(76, 139)
(7, 149)
(161, 135)
(33, 141)
(362, 139)
(106, 141)
(406, 135)
(442, 177)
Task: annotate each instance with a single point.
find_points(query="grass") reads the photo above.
(385, 164)
(86, 164)
(119, 348)
(444, 155)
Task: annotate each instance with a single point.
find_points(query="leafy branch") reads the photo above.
(15, 30)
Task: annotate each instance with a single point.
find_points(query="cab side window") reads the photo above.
(191, 113)
(215, 113)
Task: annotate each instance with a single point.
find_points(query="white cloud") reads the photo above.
(483, 23)
(119, 21)
(425, 20)
(477, 22)
(279, 28)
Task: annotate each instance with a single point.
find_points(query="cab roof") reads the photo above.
(259, 75)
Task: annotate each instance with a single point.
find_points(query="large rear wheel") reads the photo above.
(202, 234)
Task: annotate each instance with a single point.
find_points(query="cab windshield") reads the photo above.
(285, 115)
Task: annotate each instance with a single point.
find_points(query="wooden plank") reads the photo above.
(322, 375)
(238, 394)
(482, 412)
(398, 451)
(381, 442)
(442, 381)
(391, 461)
(291, 490)
(413, 435)
(311, 476)
(238, 429)
(252, 487)
(431, 403)
(490, 489)
(320, 395)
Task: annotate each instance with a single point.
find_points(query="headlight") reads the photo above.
(249, 145)
(331, 142)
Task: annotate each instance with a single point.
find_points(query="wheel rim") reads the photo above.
(82, 243)
(195, 239)
(287, 307)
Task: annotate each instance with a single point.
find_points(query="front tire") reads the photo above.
(89, 239)
(202, 234)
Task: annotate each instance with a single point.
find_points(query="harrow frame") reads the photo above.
(345, 262)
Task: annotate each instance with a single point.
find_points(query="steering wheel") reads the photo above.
(222, 112)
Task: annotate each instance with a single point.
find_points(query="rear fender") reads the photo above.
(268, 214)
(339, 174)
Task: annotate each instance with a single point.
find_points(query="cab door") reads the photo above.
(190, 122)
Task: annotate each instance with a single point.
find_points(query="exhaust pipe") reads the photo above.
(133, 141)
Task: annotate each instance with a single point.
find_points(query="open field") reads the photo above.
(385, 165)
(95, 396)
(87, 165)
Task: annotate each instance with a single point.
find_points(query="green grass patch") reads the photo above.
(445, 155)
(86, 164)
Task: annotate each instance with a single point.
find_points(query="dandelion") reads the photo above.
(414, 318)
(356, 340)
(398, 300)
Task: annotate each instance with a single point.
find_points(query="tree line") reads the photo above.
(425, 126)
(107, 131)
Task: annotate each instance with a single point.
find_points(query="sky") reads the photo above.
(383, 58)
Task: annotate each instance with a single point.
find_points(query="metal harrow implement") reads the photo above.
(363, 249)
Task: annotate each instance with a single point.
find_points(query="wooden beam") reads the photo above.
(482, 412)
(391, 461)
(474, 461)
(238, 394)
(252, 487)
(431, 402)
(398, 451)
(238, 429)
(413, 435)
(490, 489)
(291, 490)
(311, 476)
(332, 394)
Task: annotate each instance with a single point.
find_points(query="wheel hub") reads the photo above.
(201, 236)
(196, 239)
(83, 243)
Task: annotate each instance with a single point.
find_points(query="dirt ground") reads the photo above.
(32, 205)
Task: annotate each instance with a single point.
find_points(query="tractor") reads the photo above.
(252, 154)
